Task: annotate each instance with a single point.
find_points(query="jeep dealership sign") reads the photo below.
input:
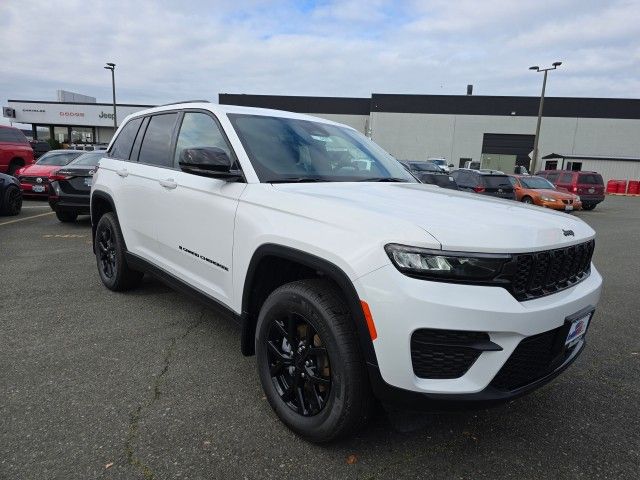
(79, 114)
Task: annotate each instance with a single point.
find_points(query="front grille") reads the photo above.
(33, 180)
(444, 354)
(537, 274)
(567, 202)
(533, 358)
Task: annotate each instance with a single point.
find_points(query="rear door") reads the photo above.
(195, 235)
(142, 193)
(590, 184)
(498, 186)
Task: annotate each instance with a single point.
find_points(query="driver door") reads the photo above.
(196, 235)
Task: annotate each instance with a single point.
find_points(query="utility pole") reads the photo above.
(112, 67)
(534, 159)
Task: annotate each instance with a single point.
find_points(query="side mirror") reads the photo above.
(451, 165)
(208, 162)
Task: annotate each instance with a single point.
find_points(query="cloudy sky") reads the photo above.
(171, 50)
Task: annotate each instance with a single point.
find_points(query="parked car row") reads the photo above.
(555, 189)
(64, 178)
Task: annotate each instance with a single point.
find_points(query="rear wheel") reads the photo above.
(66, 216)
(12, 201)
(14, 166)
(528, 200)
(309, 361)
(110, 256)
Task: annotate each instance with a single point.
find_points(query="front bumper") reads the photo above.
(400, 305)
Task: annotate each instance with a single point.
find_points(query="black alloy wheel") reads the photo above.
(110, 251)
(12, 201)
(107, 251)
(299, 364)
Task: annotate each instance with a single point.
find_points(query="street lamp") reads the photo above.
(536, 68)
(112, 67)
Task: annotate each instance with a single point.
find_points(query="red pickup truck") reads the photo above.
(15, 150)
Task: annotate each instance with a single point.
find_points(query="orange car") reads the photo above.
(539, 191)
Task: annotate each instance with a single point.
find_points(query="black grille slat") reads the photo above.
(533, 358)
(444, 354)
(542, 273)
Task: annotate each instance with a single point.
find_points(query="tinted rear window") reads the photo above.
(156, 145)
(12, 135)
(58, 159)
(590, 179)
(122, 145)
(496, 181)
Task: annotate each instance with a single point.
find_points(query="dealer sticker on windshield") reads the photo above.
(578, 328)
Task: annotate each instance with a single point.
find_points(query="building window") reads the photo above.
(82, 135)
(43, 132)
(61, 134)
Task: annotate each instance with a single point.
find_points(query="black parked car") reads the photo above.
(71, 185)
(429, 172)
(10, 195)
(485, 183)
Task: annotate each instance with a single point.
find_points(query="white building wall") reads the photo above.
(419, 136)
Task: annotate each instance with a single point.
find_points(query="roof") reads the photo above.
(226, 109)
(590, 157)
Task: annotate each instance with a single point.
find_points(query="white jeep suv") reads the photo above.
(350, 280)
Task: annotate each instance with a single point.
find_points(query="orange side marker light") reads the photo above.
(367, 316)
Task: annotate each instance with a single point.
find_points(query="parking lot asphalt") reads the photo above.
(150, 384)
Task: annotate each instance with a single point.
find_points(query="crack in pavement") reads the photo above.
(136, 415)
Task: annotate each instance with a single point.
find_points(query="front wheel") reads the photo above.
(12, 201)
(527, 200)
(309, 361)
(110, 256)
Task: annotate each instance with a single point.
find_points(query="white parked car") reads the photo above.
(350, 280)
(442, 163)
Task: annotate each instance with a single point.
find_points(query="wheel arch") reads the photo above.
(322, 268)
(101, 203)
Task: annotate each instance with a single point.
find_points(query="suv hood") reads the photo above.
(457, 220)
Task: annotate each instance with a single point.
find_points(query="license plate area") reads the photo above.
(38, 188)
(578, 326)
(87, 181)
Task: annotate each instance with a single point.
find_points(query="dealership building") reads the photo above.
(601, 134)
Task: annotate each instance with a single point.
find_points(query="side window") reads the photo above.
(156, 145)
(565, 178)
(552, 177)
(199, 130)
(122, 146)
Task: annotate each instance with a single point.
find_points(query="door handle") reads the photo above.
(123, 173)
(169, 183)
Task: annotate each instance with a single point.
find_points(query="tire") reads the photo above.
(527, 200)
(318, 312)
(110, 256)
(14, 166)
(12, 201)
(589, 206)
(66, 216)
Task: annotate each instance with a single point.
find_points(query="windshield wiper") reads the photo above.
(297, 180)
(383, 179)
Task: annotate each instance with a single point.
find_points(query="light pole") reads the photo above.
(112, 67)
(553, 66)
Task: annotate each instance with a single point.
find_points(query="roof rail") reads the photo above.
(184, 101)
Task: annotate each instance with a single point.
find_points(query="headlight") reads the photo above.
(547, 199)
(452, 266)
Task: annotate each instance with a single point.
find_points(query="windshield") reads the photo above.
(58, 159)
(536, 183)
(425, 167)
(88, 159)
(590, 179)
(293, 150)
